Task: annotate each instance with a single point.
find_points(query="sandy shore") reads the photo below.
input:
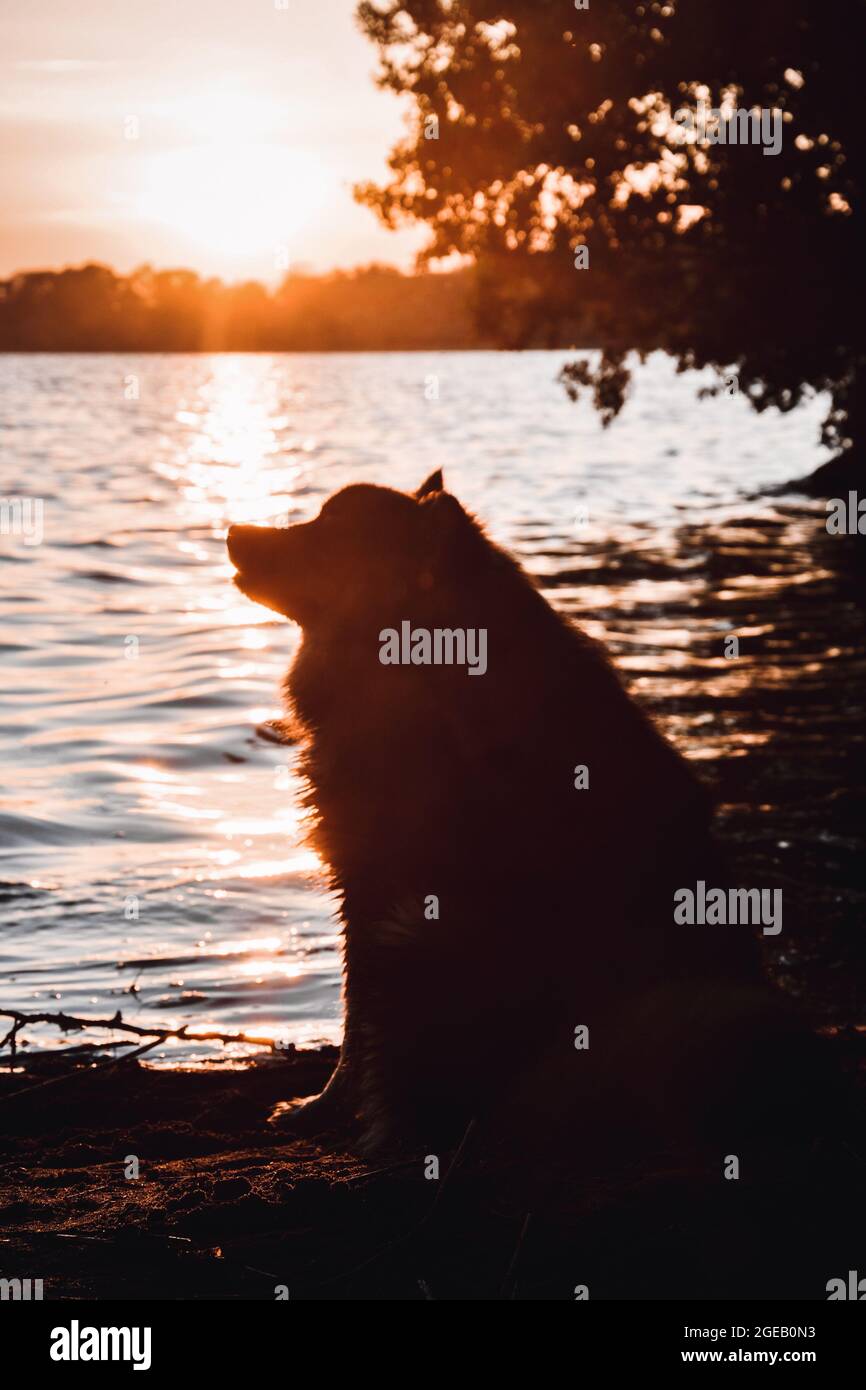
(224, 1209)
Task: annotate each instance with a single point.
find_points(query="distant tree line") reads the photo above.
(90, 308)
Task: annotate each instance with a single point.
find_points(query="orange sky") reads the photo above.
(249, 124)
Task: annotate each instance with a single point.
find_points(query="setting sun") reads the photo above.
(236, 197)
(230, 143)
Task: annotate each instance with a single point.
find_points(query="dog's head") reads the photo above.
(370, 549)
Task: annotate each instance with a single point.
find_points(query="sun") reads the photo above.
(230, 186)
(234, 197)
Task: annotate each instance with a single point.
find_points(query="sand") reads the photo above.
(225, 1209)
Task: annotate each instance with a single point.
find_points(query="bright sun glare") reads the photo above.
(232, 188)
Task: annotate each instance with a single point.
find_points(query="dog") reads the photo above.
(504, 844)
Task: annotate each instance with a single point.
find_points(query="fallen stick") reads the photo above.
(70, 1023)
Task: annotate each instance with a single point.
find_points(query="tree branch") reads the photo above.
(69, 1023)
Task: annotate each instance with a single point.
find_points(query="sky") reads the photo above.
(221, 135)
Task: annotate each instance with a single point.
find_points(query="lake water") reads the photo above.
(150, 858)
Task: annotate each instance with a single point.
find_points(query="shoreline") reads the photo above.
(224, 1209)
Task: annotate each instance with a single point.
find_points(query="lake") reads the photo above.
(151, 857)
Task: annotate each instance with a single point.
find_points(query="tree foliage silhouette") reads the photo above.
(538, 127)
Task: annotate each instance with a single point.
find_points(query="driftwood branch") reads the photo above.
(70, 1023)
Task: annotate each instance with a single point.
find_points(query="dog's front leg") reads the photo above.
(336, 1103)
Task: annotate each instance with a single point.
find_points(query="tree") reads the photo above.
(538, 128)
(372, 308)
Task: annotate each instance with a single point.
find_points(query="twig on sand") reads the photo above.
(453, 1165)
(81, 1072)
(510, 1280)
(69, 1023)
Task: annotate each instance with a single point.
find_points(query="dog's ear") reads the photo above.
(434, 483)
(449, 528)
(450, 538)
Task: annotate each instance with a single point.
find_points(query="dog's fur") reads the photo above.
(555, 904)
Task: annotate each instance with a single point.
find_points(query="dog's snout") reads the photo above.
(243, 542)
